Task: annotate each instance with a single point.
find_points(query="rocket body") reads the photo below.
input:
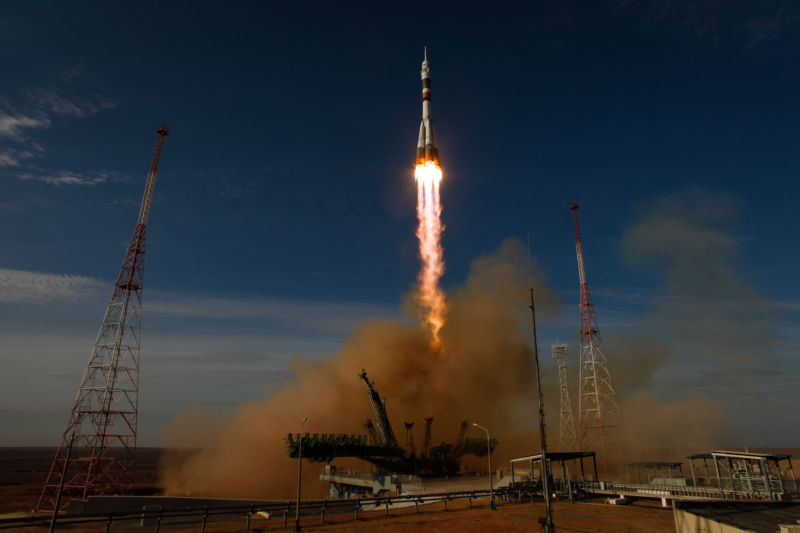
(428, 176)
(427, 151)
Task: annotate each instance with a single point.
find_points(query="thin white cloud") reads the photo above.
(8, 158)
(333, 318)
(13, 125)
(11, 157)
(17, 122)
(17, 286)
(64, 177)
(50, 100)
(328, 317)
(73, 72)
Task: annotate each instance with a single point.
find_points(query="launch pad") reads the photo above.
(380, 446)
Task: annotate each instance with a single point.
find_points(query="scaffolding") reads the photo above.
(568, 439)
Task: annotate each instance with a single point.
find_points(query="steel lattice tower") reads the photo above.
(568, 440)
(98, 447)
(597, 402)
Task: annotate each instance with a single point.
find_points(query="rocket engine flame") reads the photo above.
(430, 297)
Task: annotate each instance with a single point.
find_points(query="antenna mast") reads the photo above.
(104, 415)
(597, 402)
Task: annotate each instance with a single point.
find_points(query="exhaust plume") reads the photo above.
(430, 297)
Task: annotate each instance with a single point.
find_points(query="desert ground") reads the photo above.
(22, 472)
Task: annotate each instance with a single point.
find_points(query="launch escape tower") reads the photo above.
(597, 402)
(97, 452)
(568, 440)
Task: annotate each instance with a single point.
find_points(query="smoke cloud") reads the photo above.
(713, 329)
(689, 240)
(484, 370)
(482, 373)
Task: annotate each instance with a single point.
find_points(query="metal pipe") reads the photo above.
(61, 483)
(489, 450)
(547, 527)
(765, 471)
(299, 474)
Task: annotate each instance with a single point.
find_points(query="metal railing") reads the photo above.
(156, 518)
(670, 491)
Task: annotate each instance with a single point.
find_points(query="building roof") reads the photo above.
(742, 455)
(757, 517)
(554, 456)
(656, 464)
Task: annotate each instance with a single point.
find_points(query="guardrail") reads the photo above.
(154, 517)
(670, 491)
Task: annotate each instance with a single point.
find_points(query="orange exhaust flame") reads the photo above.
(430, 297)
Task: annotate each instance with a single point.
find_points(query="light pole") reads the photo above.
(299, 473)
(489, 453)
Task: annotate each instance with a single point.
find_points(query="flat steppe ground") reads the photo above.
(22, 472)
(578, 517)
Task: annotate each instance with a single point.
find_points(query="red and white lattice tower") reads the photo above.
(597, 399)
(98, 447)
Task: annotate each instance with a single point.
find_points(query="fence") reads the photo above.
(155, 518)
(671, 492)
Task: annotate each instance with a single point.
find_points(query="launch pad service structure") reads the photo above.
(97, 452)
(380, 446)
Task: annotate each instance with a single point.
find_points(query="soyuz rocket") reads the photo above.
(426, 145)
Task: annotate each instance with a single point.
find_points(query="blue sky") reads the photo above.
(284, 209)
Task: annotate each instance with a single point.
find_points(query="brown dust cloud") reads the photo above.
(483, 373)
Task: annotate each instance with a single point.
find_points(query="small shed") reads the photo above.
(744, 472)
(574, 458)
